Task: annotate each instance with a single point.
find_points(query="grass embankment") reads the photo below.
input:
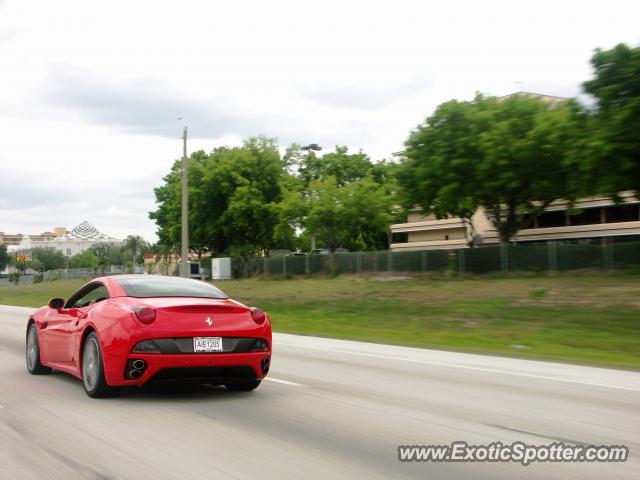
(590, 319)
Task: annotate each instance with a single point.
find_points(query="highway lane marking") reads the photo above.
(465, 367)
(284, 382)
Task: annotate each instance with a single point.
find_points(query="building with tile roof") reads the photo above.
(82, 237)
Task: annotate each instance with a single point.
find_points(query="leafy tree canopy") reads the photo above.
(354, 216)
(137, 247)
(48, 258)
(247, 200)
(86, 259)
(341, 165)
(233, 197)
(4, 256)
(613, 149)
(509, 156)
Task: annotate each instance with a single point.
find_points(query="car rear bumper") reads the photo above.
(205, 367)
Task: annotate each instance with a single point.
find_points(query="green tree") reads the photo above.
(512, 157)
(109, 254)
(614, 144)
(36, 265)
(345, 167)
(233, 198)
(345, 178)
(163, 254)
(241, 189)
(4, 256)
(144, 249)
(86, 259)
(21, 266)
(289, 231)
(354, 216)
(168, 215)
(247, 200)
(135, 245)
(49, 258)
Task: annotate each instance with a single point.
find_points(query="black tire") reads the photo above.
(32, 352)
(242, 386)
(93, 369)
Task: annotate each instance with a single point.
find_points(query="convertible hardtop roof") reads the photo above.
(118, 288)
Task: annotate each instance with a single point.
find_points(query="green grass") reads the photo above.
(592, 319)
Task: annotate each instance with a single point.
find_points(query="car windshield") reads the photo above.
(156, 286)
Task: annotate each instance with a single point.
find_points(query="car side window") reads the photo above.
(92, 294)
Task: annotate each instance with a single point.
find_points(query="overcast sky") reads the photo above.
(90, 91)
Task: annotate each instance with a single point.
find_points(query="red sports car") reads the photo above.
(129, 330)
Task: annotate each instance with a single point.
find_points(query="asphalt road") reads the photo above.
(331, 409)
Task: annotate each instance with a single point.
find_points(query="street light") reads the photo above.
(312, 146)
(309, 148)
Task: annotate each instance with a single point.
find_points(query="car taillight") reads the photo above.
(258, 315)
(260, 346)
(146, 346)
(145, 314)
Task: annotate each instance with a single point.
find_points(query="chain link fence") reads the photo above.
(72, 274)
(80, 273)
(551, 257)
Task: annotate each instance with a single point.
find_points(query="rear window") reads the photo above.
(156, 286)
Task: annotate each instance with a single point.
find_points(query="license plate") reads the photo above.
(207, 344)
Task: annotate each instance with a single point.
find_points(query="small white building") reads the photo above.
(81, 238)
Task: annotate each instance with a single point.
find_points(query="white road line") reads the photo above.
(284, 382)
(465, 367)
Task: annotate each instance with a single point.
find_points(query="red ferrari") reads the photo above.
(129, 330)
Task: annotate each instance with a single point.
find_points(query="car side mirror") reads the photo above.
(56, 303)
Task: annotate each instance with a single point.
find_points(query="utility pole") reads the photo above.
(311, 148)
(184, 261)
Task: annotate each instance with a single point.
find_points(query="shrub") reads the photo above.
(538, 293)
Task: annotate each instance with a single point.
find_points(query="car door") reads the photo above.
(62, 325)
(60, 334)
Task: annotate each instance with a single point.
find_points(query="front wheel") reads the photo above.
(93, 369)
(33, 353)
(242, 386)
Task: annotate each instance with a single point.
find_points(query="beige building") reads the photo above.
(590, 220)
(16, 238)
(552, 100)
(427, 232)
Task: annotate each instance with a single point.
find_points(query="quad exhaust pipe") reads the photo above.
(135, 368)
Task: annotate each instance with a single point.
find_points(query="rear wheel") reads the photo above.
(242, 386)
(93, 369)
(33, 353)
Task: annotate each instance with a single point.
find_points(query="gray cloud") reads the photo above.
(22, 190)
(6, 32)
(364, 97)
(144, 107)
(31, 204)
(148, 107)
